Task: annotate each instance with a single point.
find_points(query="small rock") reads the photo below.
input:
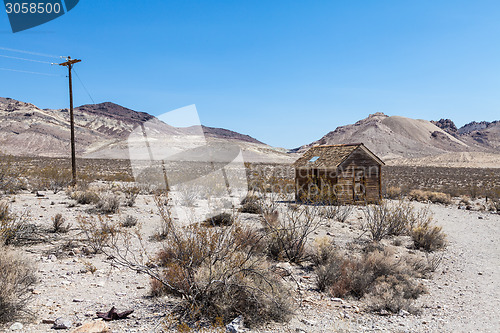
(62, 324)
(235, 325)
(308, 322)
(336, 299)
(16, 327)
(78, 300)
(300, 330)
(480, 273)
(52, 257)
(48, 321)
(97, 326)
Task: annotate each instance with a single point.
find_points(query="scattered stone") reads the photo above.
(235, 325)
(78, 300)
(62, 324)
(97, 326)
(16, 327)
(48, 321)
(113, 315)
(308, 322)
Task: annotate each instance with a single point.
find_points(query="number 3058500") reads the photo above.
(32, 8)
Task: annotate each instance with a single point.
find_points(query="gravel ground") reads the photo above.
(463, 292)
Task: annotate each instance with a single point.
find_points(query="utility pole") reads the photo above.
(69, 63)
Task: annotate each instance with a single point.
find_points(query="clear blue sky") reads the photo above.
(285, 72)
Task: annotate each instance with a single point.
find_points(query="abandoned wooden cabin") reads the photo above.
(347, 173)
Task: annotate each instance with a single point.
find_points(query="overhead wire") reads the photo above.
(28, 72)
(25, 59)
(85, 88)
(29, 52)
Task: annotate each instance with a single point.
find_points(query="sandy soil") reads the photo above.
(463, 292)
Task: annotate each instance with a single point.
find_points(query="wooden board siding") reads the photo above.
(355, 179)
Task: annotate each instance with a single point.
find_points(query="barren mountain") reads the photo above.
(408, 141)
(101, 131)
(394, 137)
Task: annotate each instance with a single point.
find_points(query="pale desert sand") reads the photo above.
(463, 293)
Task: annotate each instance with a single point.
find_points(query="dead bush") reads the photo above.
(250, 204)
(288, 232)
(15, 228)
(97, 231)
(108, 203)
(84, 197)
(16, 278)
(51, 177)
(129, 221)
(393, 192)
(426, 196)
(393, 220)
(393, 293)
(222, 219)
(10, 182)
(371, 275)
(131, 193)
(428, 237)
(58, 224)
(219, 276)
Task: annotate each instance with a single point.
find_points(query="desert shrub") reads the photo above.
(108, 203)
(371, 275)
(162, 201)
(393, 220)
(428, 237)
(426, 196)
(129, 221)
(84, 197)
(51, 177)
(131, 193)
(222, 219)
(393, 192)
(393, 293)
(14, 228)
(287, 234)
(495, 205)
(219, 276)
(10, 181)
(325, 258)
(16, 278)
(58, 225)
(335, 211)
(250, 204)
(97, 232)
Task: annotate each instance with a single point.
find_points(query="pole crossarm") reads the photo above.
(70, 62)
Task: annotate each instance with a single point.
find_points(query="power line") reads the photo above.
(29, 52)
(85, 88)
(27, 72)
(17, 58)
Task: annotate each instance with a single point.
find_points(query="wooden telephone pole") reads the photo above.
(69, 63)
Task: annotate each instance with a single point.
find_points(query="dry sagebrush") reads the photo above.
(16, 279)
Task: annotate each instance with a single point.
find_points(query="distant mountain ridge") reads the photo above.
(397, 138)
(101, 131)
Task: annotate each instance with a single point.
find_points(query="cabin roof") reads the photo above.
(329, 156)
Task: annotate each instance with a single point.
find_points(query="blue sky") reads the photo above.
(284, 72)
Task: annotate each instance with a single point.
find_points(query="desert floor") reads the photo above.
(464, 293)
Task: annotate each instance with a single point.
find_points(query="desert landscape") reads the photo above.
(120, 252)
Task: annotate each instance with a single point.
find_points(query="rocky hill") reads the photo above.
(399, 139)
(101, 131)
